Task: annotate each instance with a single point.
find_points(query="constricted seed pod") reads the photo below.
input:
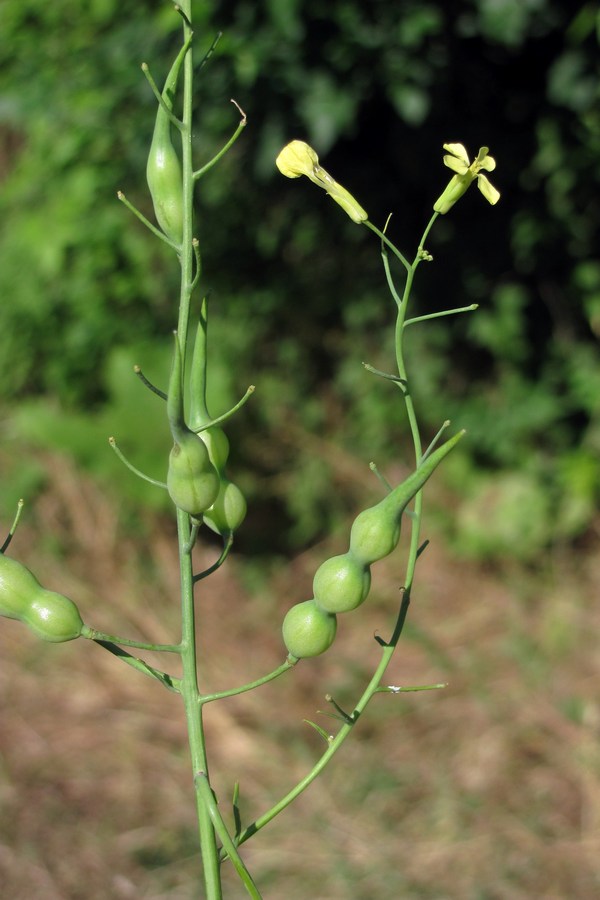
(341, 583)
(51, 616)
(376, 531)
(308, 630)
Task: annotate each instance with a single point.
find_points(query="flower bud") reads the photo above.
(297, 158)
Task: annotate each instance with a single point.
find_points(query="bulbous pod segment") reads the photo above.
(192, 481)
(228, 511)
(217, 444)
(375, 533)
(18, 588)
(53, 617)
(341, 583)
(308, 630)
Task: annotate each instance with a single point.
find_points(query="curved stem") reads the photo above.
(216, 565)
(230, 412)
(232, 692)
(374, 686)
(148, 384)
(241, 125)
(155, 231)
(389, 244)
(132, 468)
(13, 527)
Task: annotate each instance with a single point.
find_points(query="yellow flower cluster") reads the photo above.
(466, 173)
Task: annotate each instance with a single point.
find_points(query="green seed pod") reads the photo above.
(54, 617)
(17, 587)
(341, 583)
(163, 169)
(192, 480)
(217, 444)
(228, 511)
(51, 616)
(308, 630)
(376, 531)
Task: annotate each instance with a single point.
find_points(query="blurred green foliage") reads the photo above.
(298, 296)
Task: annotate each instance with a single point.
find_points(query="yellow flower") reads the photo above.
(297, 158)
(466, 173)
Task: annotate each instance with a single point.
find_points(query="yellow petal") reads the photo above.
(296, 159)
(459, 151)
(456, 165)
(489, 164)
(488, 190)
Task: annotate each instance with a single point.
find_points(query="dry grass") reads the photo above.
(489, 789)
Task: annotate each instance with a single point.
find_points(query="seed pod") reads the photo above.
(163, 169)
(341, 583)
(308, 630)
(376, 531)
(228, 511)
(51, 616)
(192, 480)
(217, 444)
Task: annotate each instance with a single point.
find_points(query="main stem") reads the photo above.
(189, 686)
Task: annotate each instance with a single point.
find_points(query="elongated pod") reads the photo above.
(163, 169)
(51, 616)
(376, 531)
(192, 480)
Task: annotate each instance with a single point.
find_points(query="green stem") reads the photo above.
(189, 681)
(241, 125)
(132, 468)
(155, 231)
(389, 244)
(232, 692)
(228, 844)
(13, 527)
(92, 635)
(216, 565)
(336, 742)
(168, 681)
(374, 686)
(193, 711)
(444, 312)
